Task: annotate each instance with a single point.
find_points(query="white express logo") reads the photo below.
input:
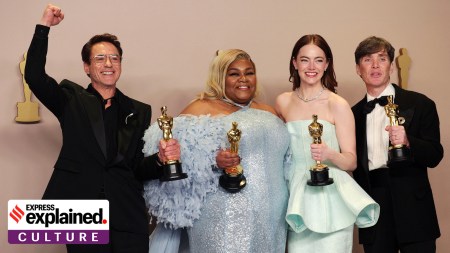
(65, 217)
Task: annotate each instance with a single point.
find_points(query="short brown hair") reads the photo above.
(372, 45)
(106, 37)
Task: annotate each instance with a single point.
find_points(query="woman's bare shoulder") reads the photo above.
(337, 100)
(264, 107)
(197, 107)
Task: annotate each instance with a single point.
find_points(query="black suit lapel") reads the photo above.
(361, 133)
(405, 108)
(128, 124)
(94, 112)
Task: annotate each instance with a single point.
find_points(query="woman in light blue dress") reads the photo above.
(250, 220)
(321, 218)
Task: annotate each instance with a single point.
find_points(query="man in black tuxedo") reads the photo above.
(101, 155)
(408, 220)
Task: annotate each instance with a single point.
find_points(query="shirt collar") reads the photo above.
(388, 91)
(94, 92)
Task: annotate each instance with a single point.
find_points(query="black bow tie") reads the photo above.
(371, 104)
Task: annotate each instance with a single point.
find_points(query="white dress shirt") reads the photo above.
(377, 137)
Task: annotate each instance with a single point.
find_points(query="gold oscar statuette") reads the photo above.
(27, 111)
(172, 169)
(233, 179)
(398, 155)
(319, 171)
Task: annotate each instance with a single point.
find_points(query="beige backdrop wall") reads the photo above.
(168, 46)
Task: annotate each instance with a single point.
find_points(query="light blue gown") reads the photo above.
(252, 220)
(321, 218)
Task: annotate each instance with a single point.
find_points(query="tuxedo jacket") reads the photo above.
(412, 198)
(82, 170)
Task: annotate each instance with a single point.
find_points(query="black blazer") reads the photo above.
(412, 198)
(81, 170)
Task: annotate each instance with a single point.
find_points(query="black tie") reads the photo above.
(371, 104)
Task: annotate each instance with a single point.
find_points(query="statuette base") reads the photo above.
(172, 172)
(320, 177)
(399, 157)
(232, 184)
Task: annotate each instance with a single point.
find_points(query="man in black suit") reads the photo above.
(408, 220)
(101, 155)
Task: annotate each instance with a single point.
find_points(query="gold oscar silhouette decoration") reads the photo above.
(403, 63)
(27, 111)
(233, 179)
(319, 171)
(172, 169)
(398, 155)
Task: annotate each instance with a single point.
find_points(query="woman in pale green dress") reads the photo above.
(321, 218)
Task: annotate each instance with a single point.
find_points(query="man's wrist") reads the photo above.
(158, 160)
(42, 31)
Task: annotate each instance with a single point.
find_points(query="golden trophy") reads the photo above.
(27, 111)
(172, 168)
(319, 171)
(233, 179)
(398, 155)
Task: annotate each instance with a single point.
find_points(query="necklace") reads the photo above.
(306, 100)
(228, 101)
